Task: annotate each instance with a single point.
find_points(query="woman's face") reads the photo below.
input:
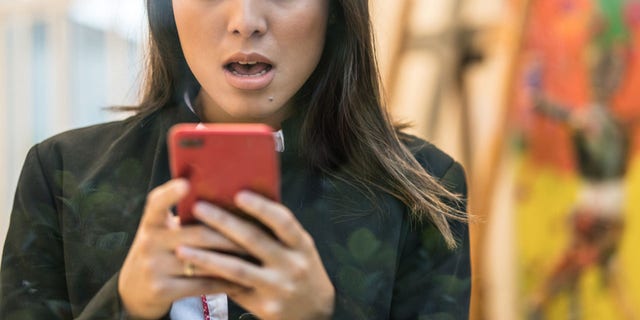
(250, 56)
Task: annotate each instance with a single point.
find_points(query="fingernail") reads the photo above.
(244, 197)
(204, 209)
(182, 185)
(198, 206)
(199, 209)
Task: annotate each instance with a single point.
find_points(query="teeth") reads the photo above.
(261, 73)
(247, 62)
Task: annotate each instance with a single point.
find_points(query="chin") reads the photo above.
(249, 107)
(251, 113)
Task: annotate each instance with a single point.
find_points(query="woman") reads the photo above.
(363, 231)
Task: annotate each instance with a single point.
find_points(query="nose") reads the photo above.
(247, 18)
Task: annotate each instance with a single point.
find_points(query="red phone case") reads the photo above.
(219, 160)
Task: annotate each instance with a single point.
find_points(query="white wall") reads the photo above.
(58, 71)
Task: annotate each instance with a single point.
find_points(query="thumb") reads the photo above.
(160, 200)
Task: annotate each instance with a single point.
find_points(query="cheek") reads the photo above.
(305, 38)
(308, 28)
(186, 27)
(183, 14)
(197, 32)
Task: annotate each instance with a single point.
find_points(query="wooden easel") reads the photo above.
(450, 44)
(453, 47)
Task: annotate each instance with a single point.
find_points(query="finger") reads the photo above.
(174, 222)
(178, 288)
(244, 233)
(201, 236)
(160, 200)
(160, 265)
(275, 216)
(219, 265)
(170, 266)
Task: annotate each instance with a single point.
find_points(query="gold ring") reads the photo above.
(189, 269)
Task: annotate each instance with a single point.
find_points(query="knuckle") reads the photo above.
(215, 240)
(239, 272)
(306, 240)
(272, 309)
(282, 208)
(148, 265)
(299, 269)
(157, 289)
(253, 237)
(153, 196)
(289, 289)
(145, 241)
(287, 224)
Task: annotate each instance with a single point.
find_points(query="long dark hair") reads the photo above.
(344, 119)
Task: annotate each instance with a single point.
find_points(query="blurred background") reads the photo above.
(539, 99)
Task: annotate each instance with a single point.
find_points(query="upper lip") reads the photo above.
(247, 57)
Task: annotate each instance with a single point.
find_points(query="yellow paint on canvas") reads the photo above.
(545, 201)
(544, 197)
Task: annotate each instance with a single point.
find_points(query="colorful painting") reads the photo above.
(577, 111)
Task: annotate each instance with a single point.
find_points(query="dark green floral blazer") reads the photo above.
(80, 196)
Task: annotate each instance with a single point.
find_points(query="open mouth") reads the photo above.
(248, 69)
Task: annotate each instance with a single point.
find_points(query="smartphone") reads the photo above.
(219, 160)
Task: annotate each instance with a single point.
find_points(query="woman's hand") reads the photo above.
(290, 283)
(152, 277)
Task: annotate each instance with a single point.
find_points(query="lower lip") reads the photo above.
(250, 82)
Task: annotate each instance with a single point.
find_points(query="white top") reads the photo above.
(191, 308)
